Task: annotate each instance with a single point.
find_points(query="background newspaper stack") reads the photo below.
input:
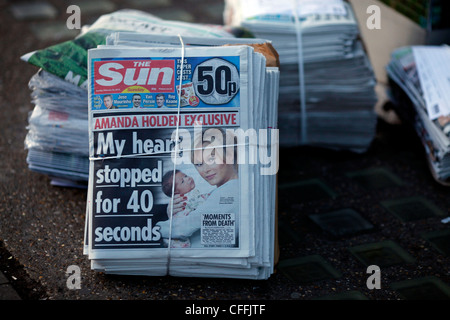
(421, 93)
(57, 139)
(226, 227)
(338, 92)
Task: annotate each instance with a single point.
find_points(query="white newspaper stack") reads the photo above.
(421, 72)
(57, 138)
(183, 182)
(327, 94)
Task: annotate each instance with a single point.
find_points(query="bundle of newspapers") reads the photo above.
(421, 73)
(182, 180)
(327, 85)
(57, 139)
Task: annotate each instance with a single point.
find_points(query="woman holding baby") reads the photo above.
(214, 157)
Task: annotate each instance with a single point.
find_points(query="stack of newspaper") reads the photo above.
(421, 72)
(57, 139)
(327, 85)
(182, 182)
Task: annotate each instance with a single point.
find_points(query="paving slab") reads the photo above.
(426, 288)
(306, 190)
(382, 254)
(412, 208)
(308, 269)
(375, 178)
(341, 222)
(440, 239)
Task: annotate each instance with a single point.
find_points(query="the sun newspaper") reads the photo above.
(183, 159)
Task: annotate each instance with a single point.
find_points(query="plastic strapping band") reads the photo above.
(301, 74)
(175, 154)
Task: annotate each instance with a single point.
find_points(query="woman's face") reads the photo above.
(214, 171)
